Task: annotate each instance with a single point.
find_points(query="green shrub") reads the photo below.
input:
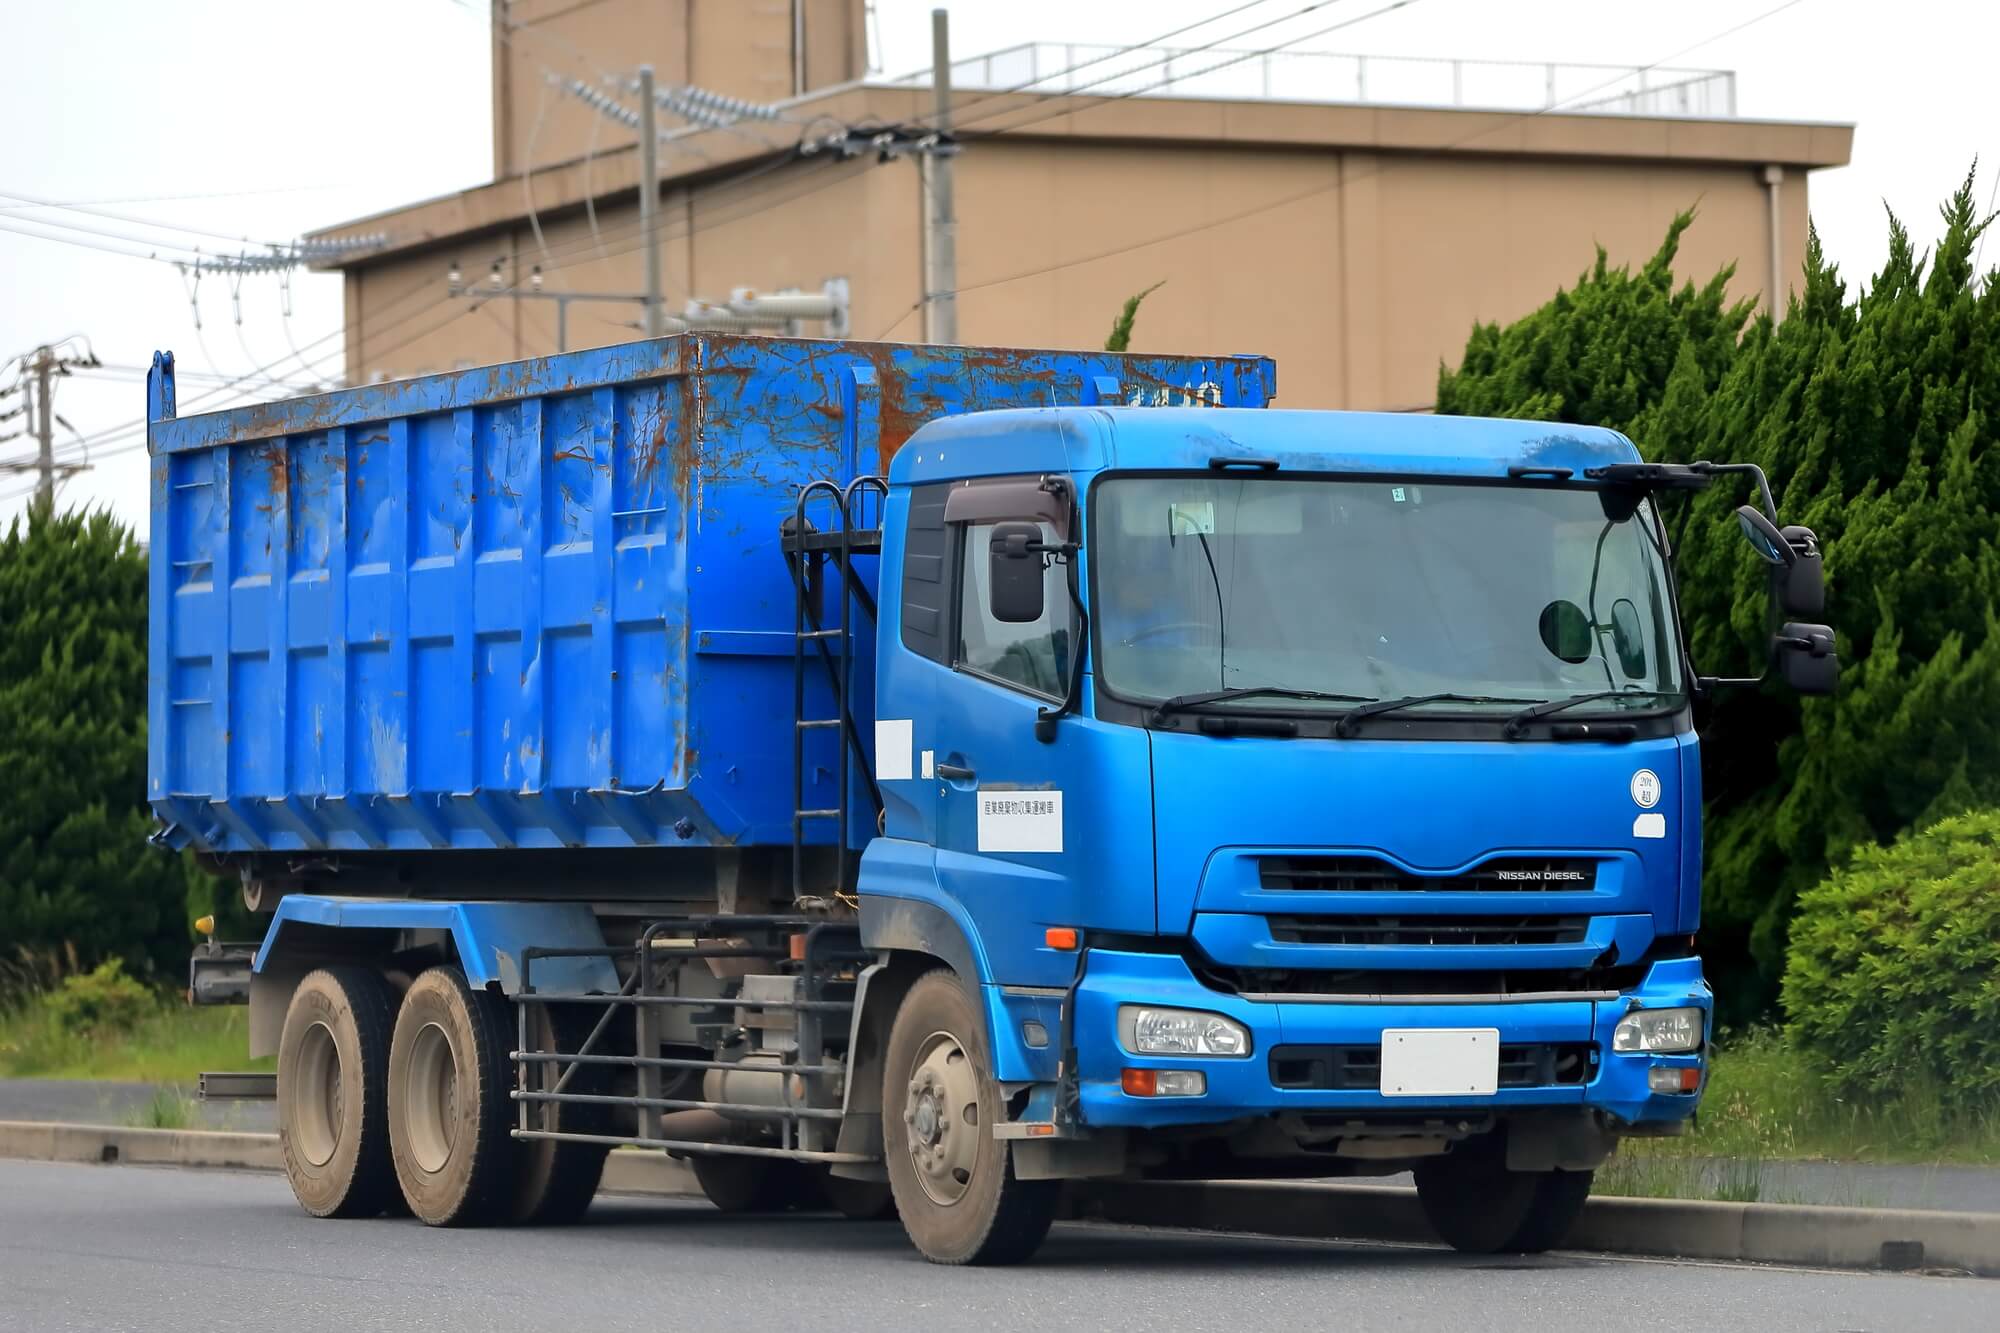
(103, 1001)
(1893, 976)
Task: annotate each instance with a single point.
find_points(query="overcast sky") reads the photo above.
(263, 119)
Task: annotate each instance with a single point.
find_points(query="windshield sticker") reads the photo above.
(1649, 826)
(1646, 789)
(893, 740)
(1020, 821)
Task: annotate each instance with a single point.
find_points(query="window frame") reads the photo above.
(1431, 724)
(961, 532)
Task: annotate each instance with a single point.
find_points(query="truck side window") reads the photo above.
(1034, 656)
(927, 574)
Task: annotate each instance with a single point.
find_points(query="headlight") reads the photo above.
(1146, 1031)
(1661, 1031)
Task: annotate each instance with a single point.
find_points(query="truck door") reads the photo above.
(1028, 831)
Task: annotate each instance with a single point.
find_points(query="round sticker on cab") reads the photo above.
(1646, 788)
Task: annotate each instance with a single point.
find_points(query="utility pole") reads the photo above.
(649, 196)
(44, 365)
(45, 427)
(940, 222)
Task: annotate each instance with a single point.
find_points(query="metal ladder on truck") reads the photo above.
(809, 549)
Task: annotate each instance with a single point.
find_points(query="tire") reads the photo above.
(554, 1182)
(449, 1112)
(743, 1185)
(333, 1076)
(1477, 1206)
(952, 1181)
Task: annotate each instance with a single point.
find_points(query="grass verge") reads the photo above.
(169, 1045)
(1765, 1103)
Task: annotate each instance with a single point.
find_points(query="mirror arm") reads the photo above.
(1707, 685)
(1046, 718)
(1763, 483)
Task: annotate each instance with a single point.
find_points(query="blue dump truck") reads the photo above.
(905, 779)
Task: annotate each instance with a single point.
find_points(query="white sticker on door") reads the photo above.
(1650, 826)
(893, 742)
(1020, 821)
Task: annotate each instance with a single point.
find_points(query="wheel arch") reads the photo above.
(487, 940)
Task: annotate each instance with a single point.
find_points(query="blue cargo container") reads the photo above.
(532, 605)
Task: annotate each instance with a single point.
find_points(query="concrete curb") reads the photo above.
(142, 1147)
(1768, 1233)
(1670, 1228)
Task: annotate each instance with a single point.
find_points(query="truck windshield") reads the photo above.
(1498, 594)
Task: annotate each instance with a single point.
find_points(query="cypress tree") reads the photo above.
(1874, 417)
(78, 882)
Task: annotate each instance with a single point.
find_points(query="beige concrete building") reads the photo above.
(1294, 210)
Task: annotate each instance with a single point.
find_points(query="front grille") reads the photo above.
(1397, 983)
(1428, 930)
(1371, 874)
(1359, 1068)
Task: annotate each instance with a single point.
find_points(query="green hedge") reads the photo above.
(1893, 977)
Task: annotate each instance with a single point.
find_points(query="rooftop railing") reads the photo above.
(1059, 68)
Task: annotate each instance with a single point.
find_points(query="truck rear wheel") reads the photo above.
(740, 1184)
(1477, 1206)
(333, 1074)
(449, 1112)
(858, 1200)
(953, 1182)
(554, 1181)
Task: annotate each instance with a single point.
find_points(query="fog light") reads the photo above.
(1665, 1078)
(1663, 1031)
(1163, 1082)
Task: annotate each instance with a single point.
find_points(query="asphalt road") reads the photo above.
(87, 1247)
(1849, 1185)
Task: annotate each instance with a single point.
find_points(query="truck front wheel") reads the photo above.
(449, 1112)
(1477, 1206)
(953, 1182)
(333, 1061)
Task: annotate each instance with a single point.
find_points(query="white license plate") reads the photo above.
(1440, 1062)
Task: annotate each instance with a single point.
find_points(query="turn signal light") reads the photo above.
(1163, 1082)
(1060, 937)
(205, 925)
(1665, 1078)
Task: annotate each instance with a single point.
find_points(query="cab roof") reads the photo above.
(1083, 440)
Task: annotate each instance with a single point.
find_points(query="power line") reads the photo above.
(1345, 180)
(156, 225)
(596, 242)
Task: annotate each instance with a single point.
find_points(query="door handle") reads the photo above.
(955, 773)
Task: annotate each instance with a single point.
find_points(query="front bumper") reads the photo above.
(1238, 1088)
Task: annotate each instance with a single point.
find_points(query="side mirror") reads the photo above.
(1014, 574)
(1764, 537)
(1806, 658)
(1628, 638)
(1801, 587)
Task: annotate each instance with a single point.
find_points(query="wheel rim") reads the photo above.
(432, 1105)
(941, 1114)
(316, 1099)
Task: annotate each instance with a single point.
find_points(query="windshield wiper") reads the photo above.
(1181, 702)
(1345, 727)
(1515, 724)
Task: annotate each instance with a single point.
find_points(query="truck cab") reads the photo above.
(1295, 793)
